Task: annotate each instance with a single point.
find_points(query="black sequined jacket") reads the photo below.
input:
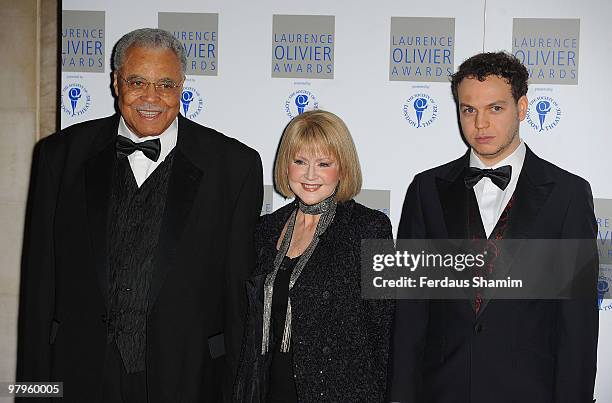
(340, 341)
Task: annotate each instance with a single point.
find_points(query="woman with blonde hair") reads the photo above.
(309, 335)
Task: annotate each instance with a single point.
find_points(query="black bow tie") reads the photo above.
(499, 176)
(150, 148)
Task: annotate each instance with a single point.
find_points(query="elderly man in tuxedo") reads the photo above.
(479, 350)
(138, 241)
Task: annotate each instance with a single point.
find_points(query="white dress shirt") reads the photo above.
(142, 166)
(491, 199)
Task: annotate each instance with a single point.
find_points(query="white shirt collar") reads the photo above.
(515, 160)
(168, 138)
(491, 199)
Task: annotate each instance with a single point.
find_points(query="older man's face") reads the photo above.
(149, 111)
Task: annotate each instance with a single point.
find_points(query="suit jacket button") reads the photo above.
(325, 294)
(479, 328)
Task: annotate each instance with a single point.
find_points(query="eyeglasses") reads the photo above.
(138, 85)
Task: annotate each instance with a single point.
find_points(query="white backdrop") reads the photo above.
(246, 102)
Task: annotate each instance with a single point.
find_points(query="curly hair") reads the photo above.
(501, 64)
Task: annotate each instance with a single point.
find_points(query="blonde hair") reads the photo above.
(319, 132)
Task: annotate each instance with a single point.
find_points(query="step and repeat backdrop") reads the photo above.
(383, 67)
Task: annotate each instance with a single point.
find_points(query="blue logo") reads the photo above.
(192, 103)
(75, 100)
(299, 102)
(542, 107)
(74, 93)
(547, 111)
(420, 110)
(603, 288)
(420, 104)
(186, 98)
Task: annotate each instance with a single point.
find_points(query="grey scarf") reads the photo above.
(327, 209)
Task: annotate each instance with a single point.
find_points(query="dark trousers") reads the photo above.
(119, 386)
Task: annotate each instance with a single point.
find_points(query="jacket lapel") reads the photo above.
(183, 186)
(453, 197)
(454, 200)
(98, 181)
(531, 193)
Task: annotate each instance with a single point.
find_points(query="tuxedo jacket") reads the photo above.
(205, 253)
(539, 351)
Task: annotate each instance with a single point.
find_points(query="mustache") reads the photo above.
(148, 108)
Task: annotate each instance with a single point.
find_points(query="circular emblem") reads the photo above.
(75, 100)
(420, 110)
(299, 102)
(603, 285)
(543, 114)
(192, 103)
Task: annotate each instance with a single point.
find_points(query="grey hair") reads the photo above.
(148, 38)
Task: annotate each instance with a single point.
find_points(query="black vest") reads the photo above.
(476, 232)
(133, 233)
(476, 228)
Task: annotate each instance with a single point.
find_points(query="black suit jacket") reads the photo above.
(514, 350)
(205, 253)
